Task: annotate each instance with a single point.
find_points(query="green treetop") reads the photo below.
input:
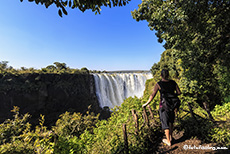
(82, 5)
(199, 30)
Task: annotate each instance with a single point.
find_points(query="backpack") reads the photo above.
(170, 102)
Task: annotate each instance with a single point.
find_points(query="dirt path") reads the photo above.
(180, 143)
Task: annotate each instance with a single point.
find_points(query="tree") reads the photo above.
(84, 70)
(82, 5)
(3, 65)
(168, 61)
(60, 66)
(200, 31)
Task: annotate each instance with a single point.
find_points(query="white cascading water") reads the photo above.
(112, 89)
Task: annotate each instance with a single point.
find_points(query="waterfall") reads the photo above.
(112, 89)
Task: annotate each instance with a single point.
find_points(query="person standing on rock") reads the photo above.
(167, 116)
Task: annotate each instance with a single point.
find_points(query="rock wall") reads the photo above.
(47, 94)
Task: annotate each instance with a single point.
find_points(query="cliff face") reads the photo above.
(47, 94)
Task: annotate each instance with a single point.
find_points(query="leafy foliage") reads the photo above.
(57, 68)
(208, 131)
(169, 60)
(107, 137)
(13, 128)
(199, 32)
(18, 137)
(222, 111)
(74, 124)
(74, 133)
(95, 6)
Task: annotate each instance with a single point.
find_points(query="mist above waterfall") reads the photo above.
(112, 89)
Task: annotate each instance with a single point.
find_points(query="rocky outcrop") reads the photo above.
(47, 94)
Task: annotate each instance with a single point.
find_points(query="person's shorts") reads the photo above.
(166, 118)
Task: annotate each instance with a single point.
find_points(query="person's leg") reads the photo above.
(165, 126)
(171, 121)
(170, 131)
(167, 140)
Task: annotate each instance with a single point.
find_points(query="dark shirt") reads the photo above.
(167, 87)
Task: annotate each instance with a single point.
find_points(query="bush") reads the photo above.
(17, 137)
(11, 129)
(222, 111)
(207, 131)
(221, 133)
(107, 137)
(68, 130)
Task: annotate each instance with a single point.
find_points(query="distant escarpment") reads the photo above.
(47, 94)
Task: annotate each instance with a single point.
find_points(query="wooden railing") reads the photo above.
(150, 116)
(146, 119)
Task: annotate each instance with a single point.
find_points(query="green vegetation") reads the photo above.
(75, 133)
(197, 34)
(95, 6)
(57, 68)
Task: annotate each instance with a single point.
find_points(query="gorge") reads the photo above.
(54, 94)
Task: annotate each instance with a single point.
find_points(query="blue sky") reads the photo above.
(33, 36)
